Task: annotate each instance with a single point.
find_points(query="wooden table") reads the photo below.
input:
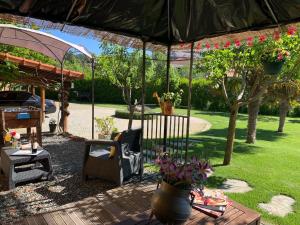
(9, 164)
(9, 120)
(129, 205)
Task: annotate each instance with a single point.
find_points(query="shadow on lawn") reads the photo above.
(211, 144)
(242, 117)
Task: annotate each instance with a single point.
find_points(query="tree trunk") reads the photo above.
(284, 107)
(131, 111)
(230, 134)
(253, 109)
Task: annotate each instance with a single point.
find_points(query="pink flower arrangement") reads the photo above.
(276, 55)
(183, 175)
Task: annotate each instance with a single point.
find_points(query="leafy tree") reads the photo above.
(124, 68)
(236, 73)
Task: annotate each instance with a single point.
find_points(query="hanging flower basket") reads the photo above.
(273, 68)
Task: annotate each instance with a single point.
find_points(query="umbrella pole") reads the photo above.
(143, 109)
(93, 97)
(189, 103)
(168, 89)
(62, 97)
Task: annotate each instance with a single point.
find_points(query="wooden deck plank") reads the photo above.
(56, 217)
(66, 218)
(49, 220)
(130, 205)
(40, 220)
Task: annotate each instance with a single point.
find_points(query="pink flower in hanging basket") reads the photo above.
(280, 57)
(217, 46)
(207, 45)
(292, 30)
(262, 38)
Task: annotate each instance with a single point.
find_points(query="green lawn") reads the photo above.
(271, 166)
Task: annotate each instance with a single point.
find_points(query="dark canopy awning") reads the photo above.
(165, 22)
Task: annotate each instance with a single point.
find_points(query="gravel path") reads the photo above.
(67, 186)
(80, 123)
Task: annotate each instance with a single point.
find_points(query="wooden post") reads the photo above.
(43, 102)
(32, 90)
(65, 113)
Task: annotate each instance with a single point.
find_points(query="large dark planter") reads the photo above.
(170, 204)
(273, 68)
(52, 127)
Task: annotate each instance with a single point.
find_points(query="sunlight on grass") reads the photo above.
(271, 166)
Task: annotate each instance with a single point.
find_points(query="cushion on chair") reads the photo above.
(113, 150)
(99, 153)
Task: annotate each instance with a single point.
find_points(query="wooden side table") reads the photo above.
(10, 166)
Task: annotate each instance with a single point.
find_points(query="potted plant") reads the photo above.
(170, 203)
(52, 125)
(105, 126)
(273, 59)
(168, 101)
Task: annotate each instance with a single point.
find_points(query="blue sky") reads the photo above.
(90, 44)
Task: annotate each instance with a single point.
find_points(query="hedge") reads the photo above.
(204, 97)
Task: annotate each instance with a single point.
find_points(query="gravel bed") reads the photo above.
(66, 187)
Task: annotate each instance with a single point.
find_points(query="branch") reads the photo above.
(225, 91)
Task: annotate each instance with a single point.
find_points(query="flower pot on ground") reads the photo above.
(105, 127)
(170, 203)
(52, 125)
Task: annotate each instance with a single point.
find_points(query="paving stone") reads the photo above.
(280, 205)
(235, 186)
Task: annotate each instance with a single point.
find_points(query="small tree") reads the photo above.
(123, 67)
(236, 73)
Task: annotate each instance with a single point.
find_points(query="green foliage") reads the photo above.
(105, 125)
(125, 115)
(174, 97)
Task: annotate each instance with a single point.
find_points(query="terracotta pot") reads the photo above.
(168, 108)
(170, 204)
(273, 68)
(103, 136)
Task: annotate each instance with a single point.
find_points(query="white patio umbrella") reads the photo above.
(44, 43)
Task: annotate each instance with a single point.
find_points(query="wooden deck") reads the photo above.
(128, 205)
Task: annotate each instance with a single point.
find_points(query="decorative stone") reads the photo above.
(235, 186)
(280, 205)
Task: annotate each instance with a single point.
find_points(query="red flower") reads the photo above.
(207, 45)
(250, 41)
(13, 133)
(237, 43)
(227, 44)
(276, 35)
(291, 30)
(198, 46)
(280, 57)
(262, 38)
(217, 46)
